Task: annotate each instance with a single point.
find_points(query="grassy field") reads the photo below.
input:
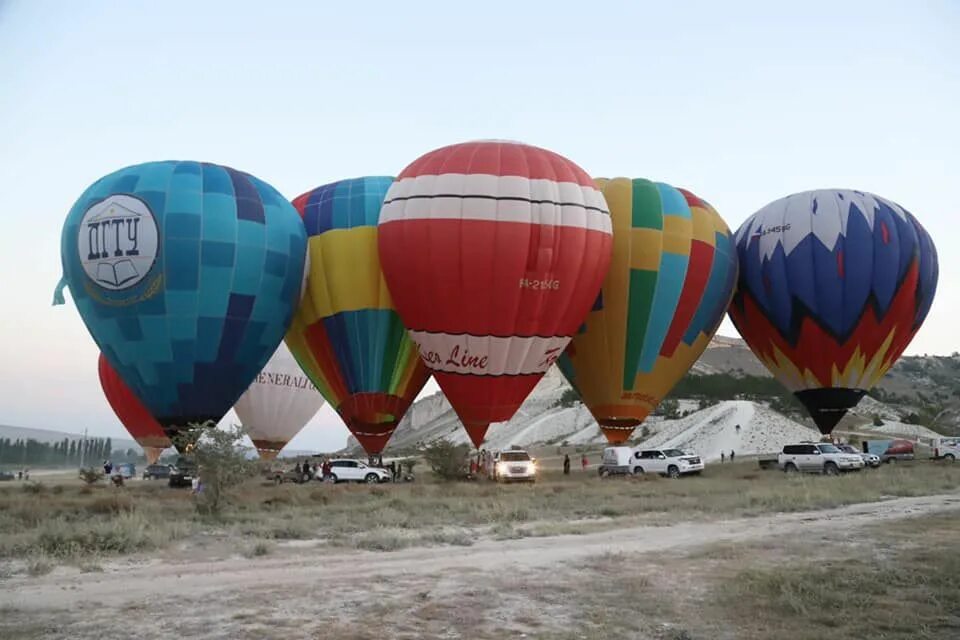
(62, 521)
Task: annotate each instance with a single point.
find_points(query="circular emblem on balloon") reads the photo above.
(117, 242)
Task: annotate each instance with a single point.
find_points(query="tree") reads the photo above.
(569, 398)
(448, 461)
(221, 463)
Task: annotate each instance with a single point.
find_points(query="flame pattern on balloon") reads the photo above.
(833, 286)
(346, 335)
(135, 417)
(669, 284)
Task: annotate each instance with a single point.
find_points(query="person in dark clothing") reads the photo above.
(732, 454)
(566, 464)
(723, 457)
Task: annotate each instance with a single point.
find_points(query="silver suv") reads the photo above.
(812, 457)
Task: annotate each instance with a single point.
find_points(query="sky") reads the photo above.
(740, 102)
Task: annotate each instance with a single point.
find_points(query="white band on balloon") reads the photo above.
(489, 355)
(497, 199)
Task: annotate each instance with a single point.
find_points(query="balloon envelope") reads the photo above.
(279, 403)
(669, 284)
(135, 417)
(186, 274)
(346, 333)
(833, 286)
(493, 252)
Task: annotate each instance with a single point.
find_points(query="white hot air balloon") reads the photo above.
(277, 405)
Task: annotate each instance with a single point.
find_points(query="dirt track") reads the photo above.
(126, 586)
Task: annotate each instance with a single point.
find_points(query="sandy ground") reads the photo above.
(304, 591)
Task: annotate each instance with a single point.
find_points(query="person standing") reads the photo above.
(723, 457)
(584, 462)
(732, 454)
(566, 464)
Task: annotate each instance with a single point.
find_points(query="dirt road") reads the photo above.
(121, 586)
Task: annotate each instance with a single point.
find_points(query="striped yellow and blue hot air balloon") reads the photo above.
(346, 334)
(672, 276)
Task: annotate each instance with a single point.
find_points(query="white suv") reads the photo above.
(514, 465)
(672, 463)
(355, 471)
(823, 457)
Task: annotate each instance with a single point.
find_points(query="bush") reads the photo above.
(91, 475)
(877, 421)
(221, 463)
(448, 461)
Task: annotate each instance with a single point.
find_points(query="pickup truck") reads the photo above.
(948, 450)
(818, 457)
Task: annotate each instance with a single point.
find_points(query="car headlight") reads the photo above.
(501, 467)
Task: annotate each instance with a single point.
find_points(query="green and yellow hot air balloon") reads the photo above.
(670, 281)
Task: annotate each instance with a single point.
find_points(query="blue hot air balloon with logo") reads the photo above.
(187, 275)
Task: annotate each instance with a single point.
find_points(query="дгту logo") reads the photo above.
(117, 242)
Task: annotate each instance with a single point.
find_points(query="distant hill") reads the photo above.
(922, 390)
(48, 435)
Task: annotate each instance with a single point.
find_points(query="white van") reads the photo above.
(615, 460)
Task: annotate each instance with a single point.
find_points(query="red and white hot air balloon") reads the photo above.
(135, 417)
(494, 253)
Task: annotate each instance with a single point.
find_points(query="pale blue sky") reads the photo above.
(741, 102)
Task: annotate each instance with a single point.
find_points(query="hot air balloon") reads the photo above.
(132, 414)
(494, 253)
(346, 334)
(669, 284)
(833, 286)
(278, 404)
(187, 275)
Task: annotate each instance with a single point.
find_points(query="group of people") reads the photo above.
(584, 463)
(723, 456)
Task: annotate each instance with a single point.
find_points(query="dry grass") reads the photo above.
(904, 583)
(70, 522)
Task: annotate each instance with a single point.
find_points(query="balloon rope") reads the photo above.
(58, 292)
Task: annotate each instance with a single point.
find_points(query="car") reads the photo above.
(822, 457)
(514, 465)
(672, 463)
(345, 470)
(156, 472)
(898, 450)
(948, 450)
(7, 475)
(871, 460)
(124, 469)
(182, 473)
(290, 475)
(615, 461)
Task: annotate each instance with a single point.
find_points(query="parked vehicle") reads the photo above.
(515, 465)
(124, 469)
(944, 449)
(672, 463)
(616, 461)
(344, 470)
(7, 475)
(871, 460)
(289, 475)
(156, 472)
(823, 457)
(182, 473)
(891, 450)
